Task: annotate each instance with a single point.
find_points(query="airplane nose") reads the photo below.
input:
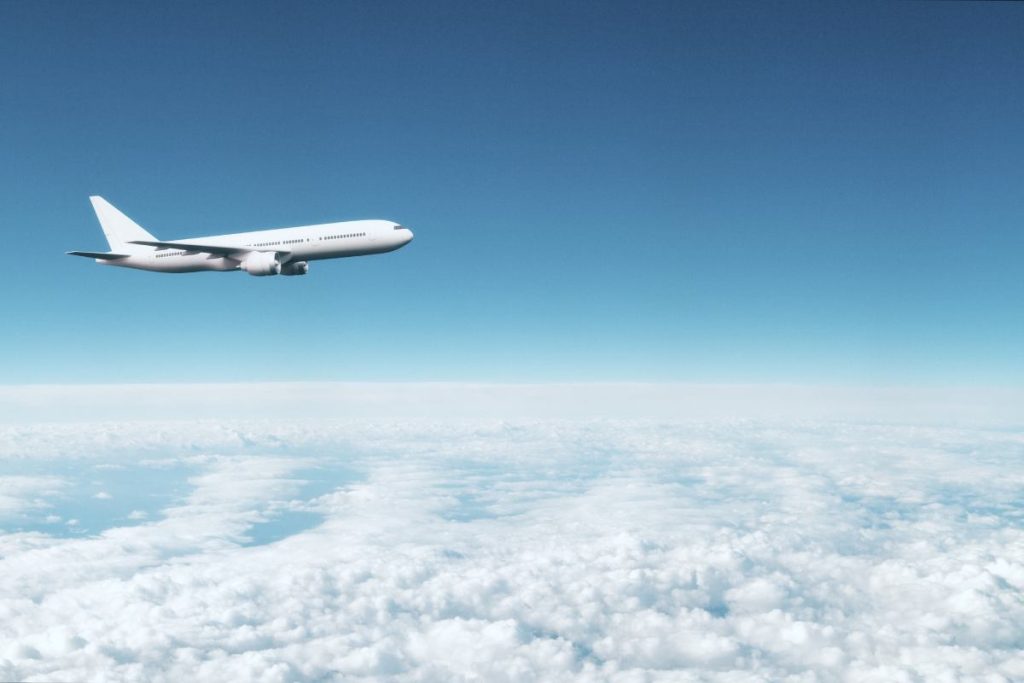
(408, 237)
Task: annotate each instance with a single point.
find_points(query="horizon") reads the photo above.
(955, 406)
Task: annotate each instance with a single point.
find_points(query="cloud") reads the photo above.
(20, 493)
(534, 550)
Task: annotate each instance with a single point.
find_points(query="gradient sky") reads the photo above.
(721, 192)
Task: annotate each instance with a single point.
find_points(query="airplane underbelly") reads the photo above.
(191, 263)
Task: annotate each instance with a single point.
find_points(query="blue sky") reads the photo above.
(806, 193)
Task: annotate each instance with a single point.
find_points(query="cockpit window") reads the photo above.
(399, 227)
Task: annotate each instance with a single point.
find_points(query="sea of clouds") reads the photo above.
(426, 549)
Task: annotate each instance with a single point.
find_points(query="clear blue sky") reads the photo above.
(758, 192)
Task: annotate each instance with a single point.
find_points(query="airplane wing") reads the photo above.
(220, 250)
(105, 255)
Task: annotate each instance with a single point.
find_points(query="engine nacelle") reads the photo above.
(261, 263)
(295, 268)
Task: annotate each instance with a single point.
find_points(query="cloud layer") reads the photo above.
(528, 550)
(963, 406)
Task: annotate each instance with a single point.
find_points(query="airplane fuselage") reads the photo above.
(292, 245)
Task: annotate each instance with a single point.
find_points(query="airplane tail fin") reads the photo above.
(119, 229)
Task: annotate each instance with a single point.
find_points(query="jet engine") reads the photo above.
(295, 268)
(261, 263)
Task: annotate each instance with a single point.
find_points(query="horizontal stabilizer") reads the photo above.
(105, 255)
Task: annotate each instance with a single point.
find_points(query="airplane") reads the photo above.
(284, 251)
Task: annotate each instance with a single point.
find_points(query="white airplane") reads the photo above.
(284, 251)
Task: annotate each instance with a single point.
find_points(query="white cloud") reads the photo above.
(103, 495)
(20, 493)
(534, 550)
